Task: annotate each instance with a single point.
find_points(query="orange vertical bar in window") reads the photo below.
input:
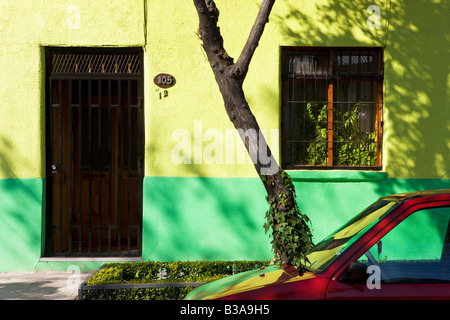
(379, 121)
(330, 124)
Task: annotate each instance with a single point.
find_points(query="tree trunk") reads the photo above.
(229, 77)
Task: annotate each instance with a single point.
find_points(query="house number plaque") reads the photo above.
(164, 80)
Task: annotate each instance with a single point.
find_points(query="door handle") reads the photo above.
(56, 167)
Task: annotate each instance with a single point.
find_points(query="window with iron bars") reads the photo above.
(331, 108)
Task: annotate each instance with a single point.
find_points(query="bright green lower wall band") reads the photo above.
(204, 219)
(21, 221)
(188, 218)
(222, 218)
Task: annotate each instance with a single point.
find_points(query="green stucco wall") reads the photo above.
(21, 210)
(216, 211)
(220, 218)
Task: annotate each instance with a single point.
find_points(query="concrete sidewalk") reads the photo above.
(40, 285)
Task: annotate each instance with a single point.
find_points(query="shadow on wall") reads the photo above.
(200, 217)
(203, 218)
(416, 99)
(21, 209)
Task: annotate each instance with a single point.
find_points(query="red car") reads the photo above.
(398, 248)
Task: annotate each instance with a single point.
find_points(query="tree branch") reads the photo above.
(209, 33)
(287, 244)
(241, 67)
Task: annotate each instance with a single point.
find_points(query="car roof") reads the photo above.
(416, 194)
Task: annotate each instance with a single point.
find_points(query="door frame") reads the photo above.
(70, 75)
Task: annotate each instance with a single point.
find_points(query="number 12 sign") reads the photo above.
(164, 80)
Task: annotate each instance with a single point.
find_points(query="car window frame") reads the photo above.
(355, 238)
(378, 231)
(416, 270)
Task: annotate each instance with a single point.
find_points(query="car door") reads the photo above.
(411, 261)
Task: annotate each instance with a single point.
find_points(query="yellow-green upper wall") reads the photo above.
(416, 87)
(26, 28)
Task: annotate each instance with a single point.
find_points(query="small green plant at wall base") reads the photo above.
(160, 272)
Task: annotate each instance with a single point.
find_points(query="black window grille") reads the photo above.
(332, 107)
(95, 62)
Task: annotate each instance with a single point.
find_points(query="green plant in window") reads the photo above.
(355, 147)
(351, 146)
(317, 148)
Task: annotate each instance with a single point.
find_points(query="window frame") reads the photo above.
(413, 270)
(332, 78)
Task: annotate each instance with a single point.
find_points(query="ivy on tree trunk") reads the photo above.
(290, 231)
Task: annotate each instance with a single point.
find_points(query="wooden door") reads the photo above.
(95, 141)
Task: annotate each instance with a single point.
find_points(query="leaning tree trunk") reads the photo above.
(290, 231)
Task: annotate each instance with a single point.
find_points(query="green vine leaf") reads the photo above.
(291, 234)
